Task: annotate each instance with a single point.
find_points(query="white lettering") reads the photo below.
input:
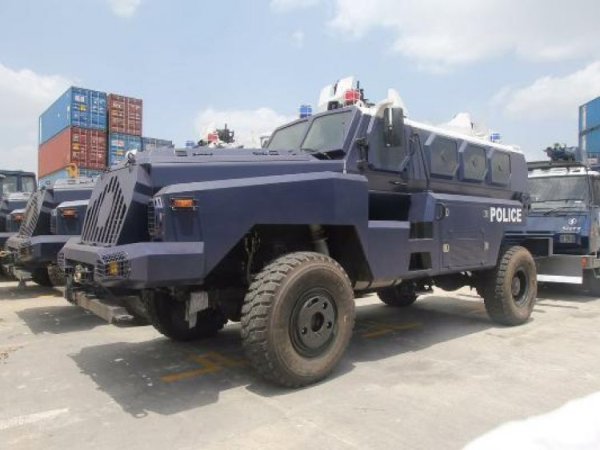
(505, 215)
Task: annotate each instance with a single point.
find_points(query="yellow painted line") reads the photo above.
(211, 362)
(383, 329)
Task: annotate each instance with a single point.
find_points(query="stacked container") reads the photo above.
(589, 129)
(73, 131)
(124, 126)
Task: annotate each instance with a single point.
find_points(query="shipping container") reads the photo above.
(119, 144)
(149, 143)
(77, 107)
(589, 141)
(124, 115)
(63, 174)
(589, 116)
(80, 146)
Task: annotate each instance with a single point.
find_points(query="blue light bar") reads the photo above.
(305, 111)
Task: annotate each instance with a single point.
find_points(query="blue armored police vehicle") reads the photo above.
(16, 187)
(53, 214)
(353, 200)
(565, 209)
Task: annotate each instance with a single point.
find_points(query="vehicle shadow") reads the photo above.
(59, 319)
(32, 290)
(166, 377)
(564, 292)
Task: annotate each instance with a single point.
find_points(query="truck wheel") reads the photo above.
(401, 295)
(41, 277)
(167, 315)
(511, 287)
(297, 318)
(56, 275)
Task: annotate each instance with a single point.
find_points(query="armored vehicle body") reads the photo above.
(53, 215)
(15, 188)
(353, 200)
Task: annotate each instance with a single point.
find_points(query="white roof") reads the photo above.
(561, 171)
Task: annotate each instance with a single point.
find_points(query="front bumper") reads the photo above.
(140, 265)
(565, 268)
(35, 251)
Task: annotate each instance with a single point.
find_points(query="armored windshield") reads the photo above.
(28, 184)
(325, 133)
(9, 184)
(559, 191)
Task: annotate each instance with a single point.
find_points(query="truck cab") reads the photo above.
(16, 187)
(565, 209)
(353, 200)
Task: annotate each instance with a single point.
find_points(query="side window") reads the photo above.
(444, 157)
(475, 163)
(500, 167)
(596, 191)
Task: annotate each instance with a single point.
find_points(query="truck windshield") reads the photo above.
(553, 192)
(288, 138)
(28, 184)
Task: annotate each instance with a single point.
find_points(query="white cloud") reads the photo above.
(248, 125)
(290, 5)
(439, 34)
(124, 8)
(551, 97)
(25, 95)
(298, 38)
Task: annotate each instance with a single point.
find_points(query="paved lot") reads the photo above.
(435, 375)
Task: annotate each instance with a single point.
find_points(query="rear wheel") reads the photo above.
(40, 276)
(401, 295)
(510, 289)
(591, 283)
(168, 316)
(297, 318)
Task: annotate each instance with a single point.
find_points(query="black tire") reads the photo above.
(56, 275)
(137, 308)
(399, 296)
(41, 277)
(511, 288)
(297, 318)
(167, 315)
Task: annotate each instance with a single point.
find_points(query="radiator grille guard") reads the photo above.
(32, 214)
(118, 201)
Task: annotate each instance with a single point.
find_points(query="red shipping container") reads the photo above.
(81, 146)
(125, 115)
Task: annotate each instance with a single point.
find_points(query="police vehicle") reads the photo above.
(565, 209)
(53, 214)
(16, 187)
(352, 200)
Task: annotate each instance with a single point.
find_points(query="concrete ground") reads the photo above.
(435, 375)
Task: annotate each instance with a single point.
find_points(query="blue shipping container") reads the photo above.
(77, 107)
(589, 116)
(149, 143)
(119, 144)
(63, 174)
(589, 142)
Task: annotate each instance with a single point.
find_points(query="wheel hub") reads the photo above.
(518, 287)
(313, 323)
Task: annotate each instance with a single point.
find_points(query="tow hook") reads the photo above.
(80, 273)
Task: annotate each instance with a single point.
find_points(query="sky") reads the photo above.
(521, 68)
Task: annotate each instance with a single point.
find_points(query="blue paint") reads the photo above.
(589, 116)
(119, 144)
(77, 107)
(49, 179)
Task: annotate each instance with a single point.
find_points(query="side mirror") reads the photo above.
(393, 127)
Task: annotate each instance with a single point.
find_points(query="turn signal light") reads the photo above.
(183, 203)
(69, 213)
(18, 217)
(112, 269)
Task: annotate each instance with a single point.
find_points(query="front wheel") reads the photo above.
(56, 275)
(297, 318)
(510, 289)
(591, 283)
(41, 277)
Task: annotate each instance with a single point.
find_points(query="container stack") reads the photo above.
(589, 129)
(124, 127)
(73, 130)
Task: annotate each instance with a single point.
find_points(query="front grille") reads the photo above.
(32, 214)
(101, 269)
(53, 219)
(105, 215)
